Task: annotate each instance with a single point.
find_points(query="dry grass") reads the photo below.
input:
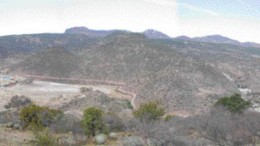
(9, 137)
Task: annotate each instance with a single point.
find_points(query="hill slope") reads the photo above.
(172, 71)
(154, 71)
(32, 43)
(56, 62)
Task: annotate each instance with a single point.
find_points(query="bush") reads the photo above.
(160, 133)
(114, 122)
(226, 128)
(44, 138)
(149, 111)
(129, 104)
(37, 116)
(18, 102)
(168, 118)
(85, 89)
(234, 103)
(93, 122)
(67, 123)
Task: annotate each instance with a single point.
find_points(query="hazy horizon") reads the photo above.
(236, 19)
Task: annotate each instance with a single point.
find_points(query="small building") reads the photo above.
(6, 80)
(245, 90)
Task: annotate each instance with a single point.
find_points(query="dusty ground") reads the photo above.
(9, 137)
(53, 94)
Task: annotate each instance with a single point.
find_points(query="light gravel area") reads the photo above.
(49, 93)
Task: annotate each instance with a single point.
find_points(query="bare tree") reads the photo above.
(225, 128)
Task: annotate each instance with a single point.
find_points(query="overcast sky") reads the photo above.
(238, 19)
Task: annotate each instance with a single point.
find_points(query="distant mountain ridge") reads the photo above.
(218, 39)
(183, 38)
(82, 37)
(89, 32)
(155, 34)
(150, 33)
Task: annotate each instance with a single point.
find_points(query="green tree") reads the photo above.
(38, 117)
(93, 122)
(234, 103)
(152, 110)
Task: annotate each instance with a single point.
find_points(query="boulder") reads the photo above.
(17, 126)
(113, 135)
(9, 125)
(258, 133)
(100, 139)
(132, 141)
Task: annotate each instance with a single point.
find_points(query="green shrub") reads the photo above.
(44, 138)
(234, 103)
(152, 110)
(168, 118)
(129, 104)
(37, 116)
(93, 122)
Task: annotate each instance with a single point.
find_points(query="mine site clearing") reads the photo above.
(51, 94)
(55, 94)
(53, 88)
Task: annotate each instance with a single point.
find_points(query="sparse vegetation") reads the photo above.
(174, 71)
(44, 138)
(227, 129)
(220, 127)
(114, 122)
(18, 102)
(150, 126)
(67, 123)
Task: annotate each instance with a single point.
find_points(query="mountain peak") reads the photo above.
(183, 37)
(78, 29)
(151, 33)
(217, 39)
(89, 32)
